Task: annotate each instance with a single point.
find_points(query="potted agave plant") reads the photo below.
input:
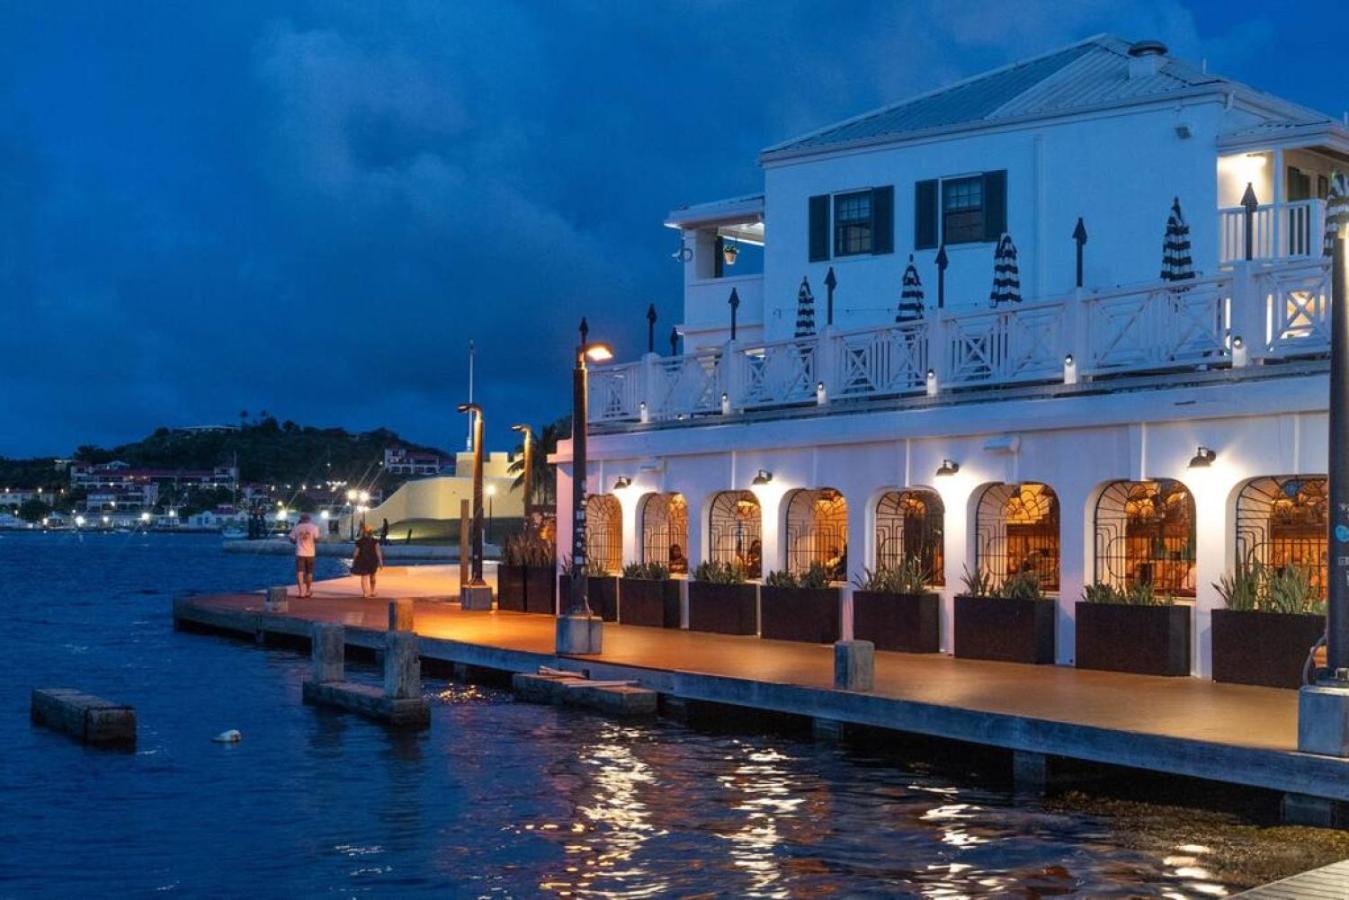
(649, 596)
(1132, 630)
(601, 589)
(801, 607)
(1273, 619)
(723, 599)
(893, 609)
(511, 575)
(1011, 622)
(538, 559)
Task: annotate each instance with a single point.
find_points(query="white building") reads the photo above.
(1064, 414)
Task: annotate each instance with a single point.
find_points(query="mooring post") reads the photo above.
(327, 643)
(400, 614)
(402, 666)
(278, 600)
(854, 665)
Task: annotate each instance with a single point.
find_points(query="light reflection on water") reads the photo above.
(498, 799)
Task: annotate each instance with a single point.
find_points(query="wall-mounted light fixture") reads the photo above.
(931, 383)
(1203, 458)
(642, 415)
(1069, 370)
(621, 482)
(725, 404)
(763, 477)
(1239, 356)
(820, 398)
(947, 468)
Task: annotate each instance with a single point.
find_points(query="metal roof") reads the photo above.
(1091, 74)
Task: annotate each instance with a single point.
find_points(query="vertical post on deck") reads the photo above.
(1337, 592)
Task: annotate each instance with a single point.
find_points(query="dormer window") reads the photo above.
(852, 223)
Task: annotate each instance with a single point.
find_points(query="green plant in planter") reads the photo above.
(1289, 590)
(909, 577)
(528, 550)
(592, 568)
(978, 583)
(652, 571)
(780, 578)
(720, 573)
(1022, 586)
(1102, 593)
(814, 578)
(1140, 593)
(1242, 588)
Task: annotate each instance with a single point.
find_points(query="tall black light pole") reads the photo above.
(579, 602)
(475, 549)
(651, 328)
(1337, 591)
(528, 434)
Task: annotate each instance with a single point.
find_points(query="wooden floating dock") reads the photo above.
(1189, 727)
(88, 719)
(1326, 883)
(572, 689)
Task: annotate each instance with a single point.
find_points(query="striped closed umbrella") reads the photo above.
(1177, 265)
(805, 310)
(1006, 275)
(1337, 211)
(910, 296)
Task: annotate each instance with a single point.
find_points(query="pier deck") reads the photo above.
(1184, 726)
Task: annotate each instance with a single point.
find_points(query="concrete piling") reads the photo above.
(402, 666)
(401, 614)
(328, 655)
(278, 600)
(88, 719)
(854, 665)
(1030, 773)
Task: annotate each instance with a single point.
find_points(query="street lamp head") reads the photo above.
(351, 496)
(490, 490)
(469, 407)
(599, 352)
(365, 496)
(523, 429)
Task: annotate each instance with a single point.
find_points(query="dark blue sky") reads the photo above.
(310, 208)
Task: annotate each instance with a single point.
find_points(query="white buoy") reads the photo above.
(233, 736)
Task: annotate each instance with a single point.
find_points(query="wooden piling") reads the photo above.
(401, 614)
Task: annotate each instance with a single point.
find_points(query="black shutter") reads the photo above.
(819, 227)
(718, 249)
(883, 219)
(925, 215)
(995, 204)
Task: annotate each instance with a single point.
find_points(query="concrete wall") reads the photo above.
(1076, 445)
(439, 497)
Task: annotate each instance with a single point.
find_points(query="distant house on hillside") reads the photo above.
(403, 461)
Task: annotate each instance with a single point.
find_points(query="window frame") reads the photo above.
(945, 186)
(839, 223)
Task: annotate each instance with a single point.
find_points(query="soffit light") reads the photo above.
(1203, 458)
(948, 467)
(763, 477)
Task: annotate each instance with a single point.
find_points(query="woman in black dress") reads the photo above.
(369, 559)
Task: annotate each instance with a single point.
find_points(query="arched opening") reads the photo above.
(1281, 521)
(665, 531)
(604, 533)
(817, 532)
(1145, 534)
(735, 531)
(910, 525)
(1017, 530)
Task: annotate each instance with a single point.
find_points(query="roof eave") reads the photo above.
(914, 137)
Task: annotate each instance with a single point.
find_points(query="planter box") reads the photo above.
(906, 622)
(511, 587)
(540, 590)
(601, 591)
(723, 608)
(1263, 648)
(651, 603)
(810, 615)
(1145, 640)
(1005, 630)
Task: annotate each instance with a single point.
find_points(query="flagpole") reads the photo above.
(472, 352)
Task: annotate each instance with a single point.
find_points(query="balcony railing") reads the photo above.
(1278, 231)
(1279, 311)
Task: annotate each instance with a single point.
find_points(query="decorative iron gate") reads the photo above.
(912, 524)
(1017, 530)
(665, 531)
(1145, 534)
(735, 531)
(817, 531)
(604, 533)
(1282, 521)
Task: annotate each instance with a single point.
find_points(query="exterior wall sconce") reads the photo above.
(931, 383)
(1203, 458)
(948, 468)
(820, 398)
(621, 482)
(725, 404)
(1239, 357)
(1069, 370)
(762, 478)
(642, 415)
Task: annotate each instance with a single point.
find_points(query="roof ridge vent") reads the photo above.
(1145, 58)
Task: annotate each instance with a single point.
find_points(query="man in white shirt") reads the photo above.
(305, 536)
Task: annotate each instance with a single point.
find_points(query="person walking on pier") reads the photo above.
(305, 536)
(368, 560)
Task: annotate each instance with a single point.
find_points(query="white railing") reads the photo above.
(1278, 310)
(1278, 231)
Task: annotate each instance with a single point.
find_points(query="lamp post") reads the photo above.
(351, 514)
(576, 632)
(491, 490)
(1337, 591)
(528, 436)
(475, 551)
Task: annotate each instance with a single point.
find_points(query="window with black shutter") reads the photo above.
(971, 209)
(852, 223)
(925, 215)
(883, 219)
(819, 227)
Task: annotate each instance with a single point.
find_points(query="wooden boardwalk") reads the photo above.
(1187, 726)
(1326, 883)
